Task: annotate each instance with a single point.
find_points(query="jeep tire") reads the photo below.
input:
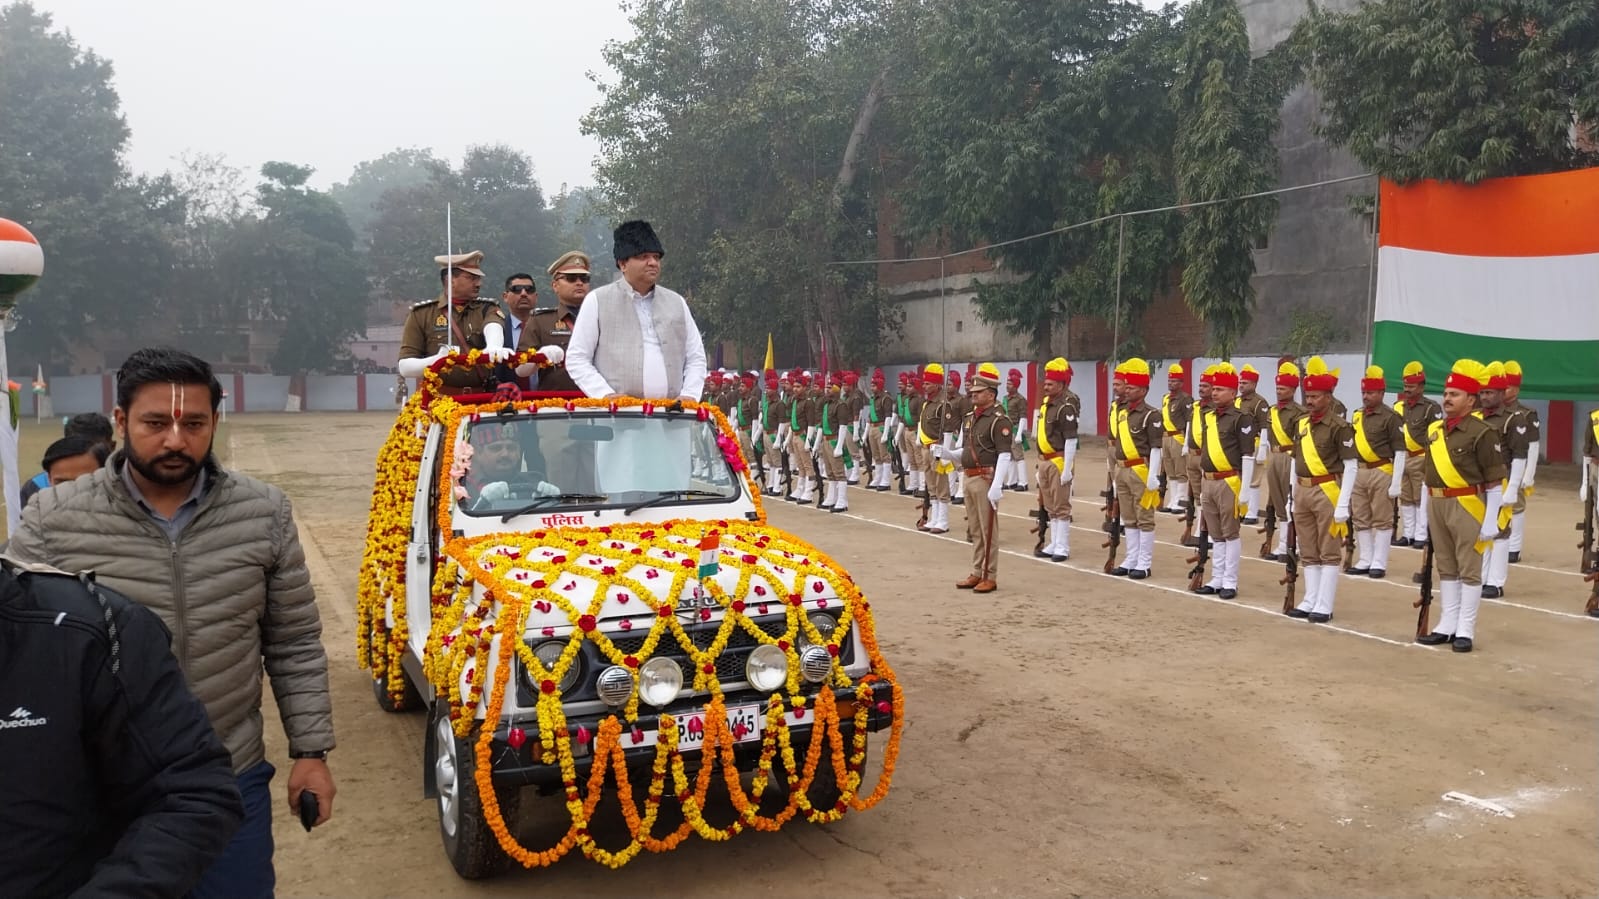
(473, 850)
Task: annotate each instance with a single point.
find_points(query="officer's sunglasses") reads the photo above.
(524, 288)
(577, 278)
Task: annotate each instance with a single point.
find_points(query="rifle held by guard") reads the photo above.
(1424, 601)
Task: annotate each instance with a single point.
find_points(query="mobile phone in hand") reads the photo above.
(308, 809)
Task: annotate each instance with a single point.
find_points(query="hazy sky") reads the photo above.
(335, 82)
(332, 83)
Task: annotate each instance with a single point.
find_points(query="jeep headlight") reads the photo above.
(549, 653)
(766, 668)
(659, 681)
(825, 625)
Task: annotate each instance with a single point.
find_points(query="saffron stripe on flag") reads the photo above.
(1532, 215)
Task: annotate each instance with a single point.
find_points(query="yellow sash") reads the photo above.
(1115, 412)
(1196, 426)
(1150, 498)
(1438, 451)
(1363, 445)
(1594, 420)
(1219, 459)
(1279, 434)
(1313, 463)
(1411, 445)
(1165, 413)
(1041, 432)
(939, 465)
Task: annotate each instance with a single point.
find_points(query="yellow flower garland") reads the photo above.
(649, 564)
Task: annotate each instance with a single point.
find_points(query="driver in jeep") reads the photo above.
(495, 474)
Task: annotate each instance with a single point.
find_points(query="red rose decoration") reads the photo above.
(747, 559)
(630, 661)
(548, 686)
(664, 611)
(709, 668)
(586, 622)
(738, 605)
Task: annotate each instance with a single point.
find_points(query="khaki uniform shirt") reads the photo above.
(937, 418)
(1417, 418)
(1256, 407)
(1513, 440)
(1334, 440)
(988, 433)
(1175, 410)
(1235, 431)
(1529, 419)
(1058, 419)
(776, 413)
(881, 407)
(427, 329)
(1383, 430)
(1288, 415)
(1475, 450)
(550, 327)
(835, 414)
(1144, 425)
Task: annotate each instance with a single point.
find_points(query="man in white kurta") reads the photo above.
(634, 337)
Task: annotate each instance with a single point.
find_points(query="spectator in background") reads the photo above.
(71, 458)
(91, 426)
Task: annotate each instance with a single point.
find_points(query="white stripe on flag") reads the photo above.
(1516, 297)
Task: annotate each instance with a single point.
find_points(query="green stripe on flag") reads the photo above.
(1553, 369)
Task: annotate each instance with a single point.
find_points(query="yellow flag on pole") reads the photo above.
(770, 363)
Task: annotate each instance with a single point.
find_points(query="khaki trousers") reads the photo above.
(1172, 461)
(1219, 506)
(879, 446)
(1369, 505)
(1313, 517)
(1454, 538)
(1056, 497)
(1130, 488)
(1279, 473)
(1411, 483)
(1195, 474)
(937, 484)
(981, 518)
(832, 465)
(774, 454)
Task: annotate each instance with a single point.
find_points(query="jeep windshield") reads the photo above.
(567, 462)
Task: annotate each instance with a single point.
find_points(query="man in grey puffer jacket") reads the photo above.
(216, 555)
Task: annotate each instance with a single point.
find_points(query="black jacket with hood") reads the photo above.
(115, 783)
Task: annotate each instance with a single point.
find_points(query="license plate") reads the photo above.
(745, 721)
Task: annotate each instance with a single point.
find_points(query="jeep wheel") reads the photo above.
(409, 697)
(471, 845)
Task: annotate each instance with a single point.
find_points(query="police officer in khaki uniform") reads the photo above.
(1196, 437)
(1324, 483)
(1281, 425)
(1137, 456)
(1381, 457)
(880, 422)
(985, 451)
(960, 405)
(833, 445)
(1056, 432)
(1528, 419)
(912, 454)
(1255, 406)
(770, 431)
(1227, 459)
(1016, 411)
(804, 421)
(1515, 439)
(552, 327)
(1465, 465)
(1175, 408)
(457, 317)
(1418, 413)
(936, 428)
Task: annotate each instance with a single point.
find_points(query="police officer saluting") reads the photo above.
(456, 319)
(1465, 466)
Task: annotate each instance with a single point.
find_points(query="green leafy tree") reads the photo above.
(104, 232)
(359, 194)
(1029, 117)
(743, 140)
(496, 206)
(1227, 114)
(1460, 90)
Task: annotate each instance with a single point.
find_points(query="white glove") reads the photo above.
(1184, 451)
(545, 488)
(1582, 488)
(1341, 513)
(1068, 455)
(899, 431)
(838, 448)
(891, 424)
(555, 354)
(1153, 481)
(1512, 487)
(782, 435)
(495, 492)
(1533, 451)
(1262, 450)
(1021, 427)
(942, 454)
(755, 431)
(494, 342)
(414, 367)
(995, 488)
(1490, 518)
(1399, 473)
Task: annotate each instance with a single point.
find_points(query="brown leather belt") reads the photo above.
(979, 472)
(1130, 463)
(1171, 433)
(1281, 449)
(1049, 457)
(1438, 492)
(1220, 475)
(1377, 464)
(1316, 481)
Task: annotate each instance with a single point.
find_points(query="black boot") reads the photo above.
(1435, 639)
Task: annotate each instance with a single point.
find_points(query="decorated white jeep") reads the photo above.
(585, 595)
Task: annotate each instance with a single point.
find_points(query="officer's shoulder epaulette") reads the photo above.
(419, 305)
(545, 310)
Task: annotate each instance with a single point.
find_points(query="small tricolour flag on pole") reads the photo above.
(710, 549)
(1503, 269)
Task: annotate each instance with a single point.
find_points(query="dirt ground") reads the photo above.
(1070, 734)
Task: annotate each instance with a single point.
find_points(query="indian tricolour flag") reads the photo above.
(710, 548)
(1504, 269)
